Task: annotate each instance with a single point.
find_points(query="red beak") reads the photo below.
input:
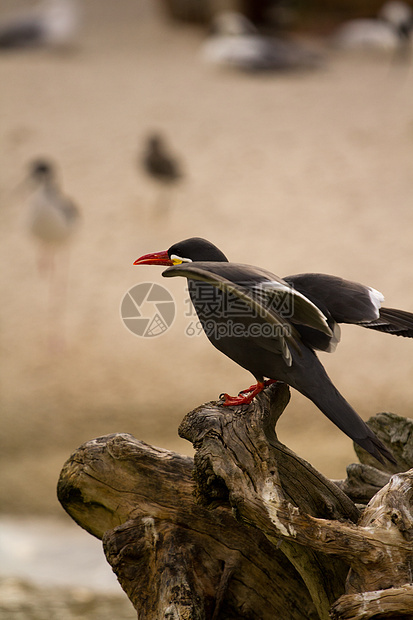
(156, 258)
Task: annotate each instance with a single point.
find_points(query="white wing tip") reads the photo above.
(376, 298)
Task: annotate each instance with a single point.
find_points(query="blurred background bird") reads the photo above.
(235, 42)
(53, 23)
(390, 31)
(53, 221)
(162, 166)
(53, 217)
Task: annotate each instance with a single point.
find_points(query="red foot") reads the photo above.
(245, 397)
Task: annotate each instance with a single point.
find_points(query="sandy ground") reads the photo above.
(20, 600)
(303, 172)
(50, 568)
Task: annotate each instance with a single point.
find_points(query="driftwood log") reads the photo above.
(247, 529)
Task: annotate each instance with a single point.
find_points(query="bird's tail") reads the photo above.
(392, 321)
(319, 388)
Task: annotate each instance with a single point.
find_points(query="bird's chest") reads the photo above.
(47, 221)
(231, 325)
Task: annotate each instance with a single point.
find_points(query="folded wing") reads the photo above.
(272, 299)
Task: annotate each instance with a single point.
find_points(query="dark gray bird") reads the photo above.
(158, 162)
(272, 326)
(51, 23)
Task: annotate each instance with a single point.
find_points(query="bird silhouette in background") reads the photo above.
(272, 326)
(52, 23)
(53, 221)
(161, 166)
(53, 218)
(390, 31)
(234, 42)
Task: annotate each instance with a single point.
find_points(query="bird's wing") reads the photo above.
(292, 305)
(69, 209)
(350, 302)
(286, 337)
(271, 298)
(161, 165)
(345, 301)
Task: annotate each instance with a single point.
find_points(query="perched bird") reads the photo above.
(52, 23)
(390, 31)
(272, 326)
(235, 42)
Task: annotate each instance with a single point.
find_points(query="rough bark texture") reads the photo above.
(140, 501)
(391, 603)
(247, 529)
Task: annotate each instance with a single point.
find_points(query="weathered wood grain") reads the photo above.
(247, 529)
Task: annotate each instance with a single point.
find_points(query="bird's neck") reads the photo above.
(47, 189)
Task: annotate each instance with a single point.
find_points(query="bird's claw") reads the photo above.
(232, 401)
(248, 390)
(245, 397)
(258, 386)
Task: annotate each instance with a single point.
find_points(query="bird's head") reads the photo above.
(398, 15)
(187, 251)
(40, 169)
(155, 141)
